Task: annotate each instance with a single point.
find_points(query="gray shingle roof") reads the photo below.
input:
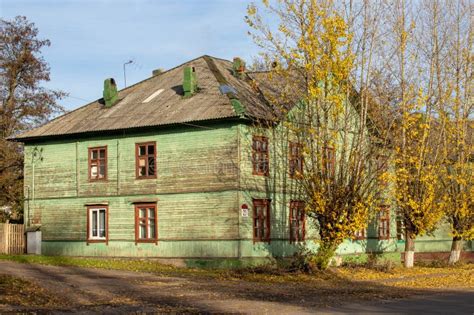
(169, 107)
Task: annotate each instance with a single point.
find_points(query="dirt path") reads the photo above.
(86, 290)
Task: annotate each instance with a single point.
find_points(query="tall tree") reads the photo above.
(457, 114)
(327, 120)
(24, 102)
(417, 45)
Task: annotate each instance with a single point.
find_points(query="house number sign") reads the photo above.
(245, 210)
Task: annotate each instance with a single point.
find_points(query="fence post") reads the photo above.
(3, 238)
(7, 239)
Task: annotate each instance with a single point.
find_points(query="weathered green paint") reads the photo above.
(237, 105)
(204, 176)
(190, 83)
(110, 93)
(196, 189)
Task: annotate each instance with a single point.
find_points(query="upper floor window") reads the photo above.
(261, 220)
(384, 222)
(260, 155)
(329, 161)
(146, 220)
(296, 159)
(297, 221)
(146, 160)
(98, 163)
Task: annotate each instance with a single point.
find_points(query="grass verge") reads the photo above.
(419, 277)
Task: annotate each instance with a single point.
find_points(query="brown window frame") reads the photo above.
(384, 217)
(262, 220)
(297, 205)
(329, 164)
(137, 167)
(139, 206)
(89, 239)
(296, 161)
(257, 153)
(97, 162)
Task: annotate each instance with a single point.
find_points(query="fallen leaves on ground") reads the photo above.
(417, 277)
(17, 291)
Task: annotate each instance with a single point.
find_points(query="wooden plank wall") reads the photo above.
(12, 238)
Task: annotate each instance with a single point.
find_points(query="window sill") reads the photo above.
(146, 241)
(97, 241)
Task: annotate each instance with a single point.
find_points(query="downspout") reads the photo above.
(239, 216)
(36, 155)
(77, 169)
(32, 186)
(27, 188)
(118, 167)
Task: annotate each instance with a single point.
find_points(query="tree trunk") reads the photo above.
(456, 248)
(409, 254)
(325, 253)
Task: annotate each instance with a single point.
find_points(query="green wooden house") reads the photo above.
(172, 167)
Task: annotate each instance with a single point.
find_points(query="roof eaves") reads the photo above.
(169, 124)
(98, 100)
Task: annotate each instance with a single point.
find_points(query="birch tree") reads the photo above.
(457, 114)
(417, 151)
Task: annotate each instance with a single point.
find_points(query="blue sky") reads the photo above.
(90, 40)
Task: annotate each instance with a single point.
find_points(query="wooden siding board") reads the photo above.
(195, 189)
(189, 160)
(180, 216)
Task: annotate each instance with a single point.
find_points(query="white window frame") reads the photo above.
(90, 214)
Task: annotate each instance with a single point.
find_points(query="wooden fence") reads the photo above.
(12, 238)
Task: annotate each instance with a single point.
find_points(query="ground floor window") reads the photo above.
(97, 224)
(146, 220)
(261, 220)
(297, 221)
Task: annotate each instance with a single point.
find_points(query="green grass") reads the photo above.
(264, 273)
(138, 265)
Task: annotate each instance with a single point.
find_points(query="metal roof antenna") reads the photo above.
(124, 73)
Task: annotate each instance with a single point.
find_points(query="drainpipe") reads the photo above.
(27, 221)
(32, 188)
(36, 155)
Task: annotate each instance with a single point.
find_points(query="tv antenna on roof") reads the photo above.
(124, 73)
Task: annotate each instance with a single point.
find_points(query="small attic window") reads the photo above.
(151, 97)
